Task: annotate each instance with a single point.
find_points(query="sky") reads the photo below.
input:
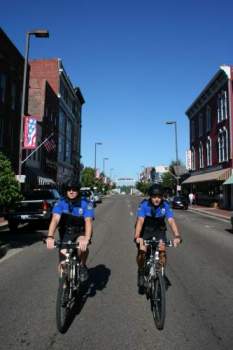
(138, 65)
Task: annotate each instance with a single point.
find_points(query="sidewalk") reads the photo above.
(216, 212)
(3, 223)
(3, 247)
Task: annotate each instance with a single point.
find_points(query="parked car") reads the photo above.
(87, 193)
(36, 207)
(97, 197)
(179, 202)
(231, 219)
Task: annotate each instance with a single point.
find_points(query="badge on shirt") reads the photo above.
(163, 211)
(80, 211)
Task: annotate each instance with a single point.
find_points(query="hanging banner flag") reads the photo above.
(30, 132)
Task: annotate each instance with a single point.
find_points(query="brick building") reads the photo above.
(58, 105)
(211, 117)
(11, 82)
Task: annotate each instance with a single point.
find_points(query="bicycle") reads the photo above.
(69, 284)
(155, 284)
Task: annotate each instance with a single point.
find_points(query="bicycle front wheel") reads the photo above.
(158, 302)
(62, 305)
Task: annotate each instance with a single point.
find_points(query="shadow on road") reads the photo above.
(98, 279)
(24, 236)
(229, 230)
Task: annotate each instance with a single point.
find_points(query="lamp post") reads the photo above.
(111, 170)
(176, 145)
(40, 33)
(104, 159)
(96, 144)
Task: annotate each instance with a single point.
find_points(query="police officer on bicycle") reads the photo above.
(74, 217)
(150, 223)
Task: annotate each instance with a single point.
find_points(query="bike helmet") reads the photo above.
(72, 184)
(155, 190)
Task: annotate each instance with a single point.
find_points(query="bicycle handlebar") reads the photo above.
(168, 243)
(67, 245)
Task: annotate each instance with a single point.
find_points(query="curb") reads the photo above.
(3, 225)
(4, 249)
(216, 216)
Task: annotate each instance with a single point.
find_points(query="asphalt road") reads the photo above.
(113, 315)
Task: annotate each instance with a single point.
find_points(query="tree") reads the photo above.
(143, 186)
(9, 186)
(88, 177)
(168, 181)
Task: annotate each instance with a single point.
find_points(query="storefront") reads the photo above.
(209, 188)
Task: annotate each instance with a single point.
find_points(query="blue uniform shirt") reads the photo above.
(80, 208)
(163, 210)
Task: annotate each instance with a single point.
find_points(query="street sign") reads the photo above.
(21, 178)
(178, 188)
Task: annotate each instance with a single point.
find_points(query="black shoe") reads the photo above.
(140, 278)
(167, 282)
(83, 273)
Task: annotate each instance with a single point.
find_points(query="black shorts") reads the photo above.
(158, 235)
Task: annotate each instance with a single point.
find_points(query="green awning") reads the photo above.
(229, 181)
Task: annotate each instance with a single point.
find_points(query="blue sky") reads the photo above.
(138, 64)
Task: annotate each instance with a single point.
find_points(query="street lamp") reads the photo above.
(111, 170)
(104, 159)
(174, 123)
(40, 33)
(96, 144)
(176, 145)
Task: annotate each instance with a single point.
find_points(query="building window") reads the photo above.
(2, 87)
(192, 127)
(201, 158)
(200, 124)
(222, 109)
(209, 151)
(193, 162)
(68, 141)
(13, 96)
(208, 119)
(61, 139)
(223, 145)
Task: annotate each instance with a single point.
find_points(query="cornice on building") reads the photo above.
(219, 79)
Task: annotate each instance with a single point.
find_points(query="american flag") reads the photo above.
(30, 133)
(50, 145)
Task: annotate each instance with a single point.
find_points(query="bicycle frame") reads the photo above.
(72, 262)
(69, 283)
(154, 262)
(155, 285)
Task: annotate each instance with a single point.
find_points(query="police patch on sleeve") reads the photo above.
(90, 206)
(163, 211)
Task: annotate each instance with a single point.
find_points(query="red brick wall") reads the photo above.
(46, 69)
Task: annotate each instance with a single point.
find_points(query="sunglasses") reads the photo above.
(73, 189)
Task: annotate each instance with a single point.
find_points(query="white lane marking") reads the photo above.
(11, 252)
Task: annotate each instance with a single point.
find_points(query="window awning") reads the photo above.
(229, 181)
(45, 180)
(218, 175)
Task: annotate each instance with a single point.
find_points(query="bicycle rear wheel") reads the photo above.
(158, 301)
(62, 305)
